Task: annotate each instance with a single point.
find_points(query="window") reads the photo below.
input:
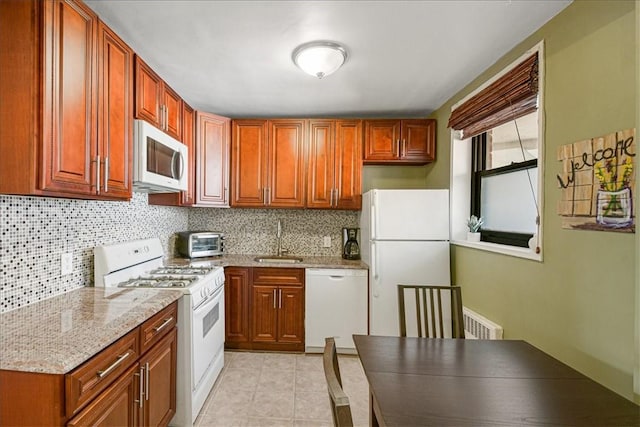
(496, 143)
(504, 175)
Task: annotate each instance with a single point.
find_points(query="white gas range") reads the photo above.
(200, 313)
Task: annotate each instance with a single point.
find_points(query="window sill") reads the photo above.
(501, 249)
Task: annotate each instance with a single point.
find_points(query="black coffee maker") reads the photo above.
(350, 246)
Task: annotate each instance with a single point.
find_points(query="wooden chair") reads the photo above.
(340, 408)
(428, 308)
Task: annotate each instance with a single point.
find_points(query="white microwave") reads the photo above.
(159, 161)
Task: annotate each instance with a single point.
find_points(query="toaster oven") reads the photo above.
(195, 244)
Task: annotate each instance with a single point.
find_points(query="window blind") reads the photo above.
(511, 96)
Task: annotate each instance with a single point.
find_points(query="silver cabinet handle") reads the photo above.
(398, 142)
(279, 298)
(106, 174)
(97, 173)
(337, 197)
(164, 324)
(147, 391)
(268, 196)
(140, 392)
(166, 117)
(114, 365)
(274, 298)
(404, 147)
(331, 198)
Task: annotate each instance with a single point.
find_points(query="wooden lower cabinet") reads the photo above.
(278, 309)
(116, 387)
(264, 308)
(236, 299)
(159, 371)
(116, 406)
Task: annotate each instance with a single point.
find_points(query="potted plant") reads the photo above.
(474, 223)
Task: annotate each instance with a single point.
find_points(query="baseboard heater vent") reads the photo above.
(478, 327)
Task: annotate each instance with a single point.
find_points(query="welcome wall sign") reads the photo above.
(598, 183)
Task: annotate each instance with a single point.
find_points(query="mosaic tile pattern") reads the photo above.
(253, 231)
(36, 231)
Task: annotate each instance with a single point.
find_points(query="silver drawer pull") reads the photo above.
(114, 365)
(164, 325)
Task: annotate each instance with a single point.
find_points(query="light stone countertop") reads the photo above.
(58, 334)
(231, 260)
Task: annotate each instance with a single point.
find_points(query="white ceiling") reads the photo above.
(406, 58)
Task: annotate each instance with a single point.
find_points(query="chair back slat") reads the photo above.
(431, 320)
(340, 408)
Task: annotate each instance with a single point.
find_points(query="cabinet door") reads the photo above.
(148, 93)
(187, 198)
(117, 406)
(320, 172)
(249, 163)
(69, 125)
(115, 113)
(348, 164)
(265, 311)
(291, 314)
(381, 140)
(418, 140)
(286, 164)
(172, 105)
(237, 310)
(212, 159)
(159, 365)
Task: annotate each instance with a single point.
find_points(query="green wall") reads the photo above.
(579, 303)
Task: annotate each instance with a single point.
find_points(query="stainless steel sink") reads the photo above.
(278, 259)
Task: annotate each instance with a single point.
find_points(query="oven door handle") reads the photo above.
(201, 303)
(209, 298)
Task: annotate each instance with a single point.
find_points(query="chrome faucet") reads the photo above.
(280, 251)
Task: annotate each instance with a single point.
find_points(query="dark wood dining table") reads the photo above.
(457, 382)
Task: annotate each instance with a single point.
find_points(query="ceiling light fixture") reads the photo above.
(319, 58)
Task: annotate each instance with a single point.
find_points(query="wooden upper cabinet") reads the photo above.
(213, 142)
(156, 102)
(75, 126)
(187, 198)
(69, 99)
(286, 171)
(268, 163)
(410, 141)
(419, 140)
(115, 112)
(321, 166)
(249, 140)
(382, 140)
(172, 113)
(148, 93)
(334, 177)
(348, 164)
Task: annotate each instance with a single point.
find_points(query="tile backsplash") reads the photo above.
(36, 231)
(253, 231)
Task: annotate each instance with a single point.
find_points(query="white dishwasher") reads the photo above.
(336, 304)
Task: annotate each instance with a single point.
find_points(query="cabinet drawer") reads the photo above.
(278, 276)
(90, 378)
(158, 326)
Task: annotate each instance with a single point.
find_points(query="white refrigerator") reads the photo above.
(404, 240)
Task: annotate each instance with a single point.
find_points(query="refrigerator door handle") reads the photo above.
(373, 224)
(374, 270)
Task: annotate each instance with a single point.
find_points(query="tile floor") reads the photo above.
(277, 389)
